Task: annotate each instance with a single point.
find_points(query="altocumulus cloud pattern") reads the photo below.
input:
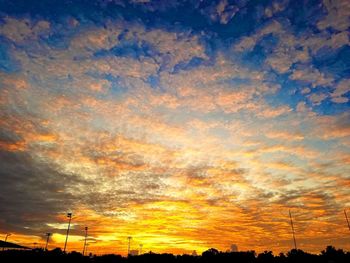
(184, 124)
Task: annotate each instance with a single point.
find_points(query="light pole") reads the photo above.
(291, 223)
(86, 248)
(7, 235)
(347, 220)
(69, 215)
(129, 238)
(86, 231)
(47, 240)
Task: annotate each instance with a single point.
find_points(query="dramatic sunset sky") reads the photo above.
(184, 124)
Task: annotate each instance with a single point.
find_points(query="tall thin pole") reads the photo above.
(7, 235)
(69, 215)
(86, 248)
(140, 249)
(129, 238)
(291, 223)
(86, 231)
(47, 240)
(347, 220)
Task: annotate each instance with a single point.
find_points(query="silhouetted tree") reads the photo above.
(266, 257)
(329, 255)
(210, 252)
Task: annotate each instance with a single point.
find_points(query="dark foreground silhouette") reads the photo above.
(329, 255)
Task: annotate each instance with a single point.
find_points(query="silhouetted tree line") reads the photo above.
(329, 255)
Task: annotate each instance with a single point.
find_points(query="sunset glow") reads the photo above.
(186, 125)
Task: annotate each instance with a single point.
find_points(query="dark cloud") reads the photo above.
(32, 192)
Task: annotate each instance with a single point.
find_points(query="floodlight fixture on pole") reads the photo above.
(69, 215)
(47, 240)
(86, 232)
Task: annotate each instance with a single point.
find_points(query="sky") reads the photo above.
(183, 124)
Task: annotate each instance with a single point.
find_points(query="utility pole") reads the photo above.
(129, 239)
(47, 240)
(347, 220)
(86, 231)
(291, 223)
(69, 215)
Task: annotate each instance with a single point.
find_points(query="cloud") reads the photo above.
(335, 126)
(209, 88)
(284, 135)
(281, 61)
(290, 48)
(337, 15)
(174, 47)
(305, 91)
(302, 107)
(338, 95)
(317, 98)
(21, 30)
(275, 8)
(134, 124)
(273, 112)
(286, 52)
(312, 76)
(324, 41)
(94, 39)
(247, 43)
(32, 192)
(341, 89)
(224, 12)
